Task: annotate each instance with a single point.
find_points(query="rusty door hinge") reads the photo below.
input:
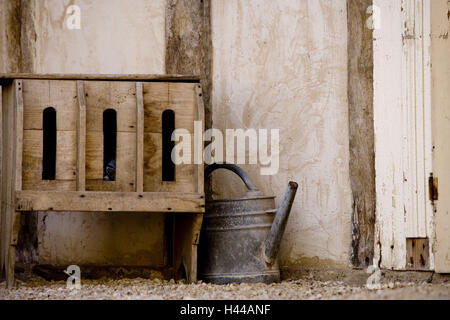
(433, 188)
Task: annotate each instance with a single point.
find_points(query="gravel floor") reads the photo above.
(159, 289)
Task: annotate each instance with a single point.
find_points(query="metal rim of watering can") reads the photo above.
(252, 193)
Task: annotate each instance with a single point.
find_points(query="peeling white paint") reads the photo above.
(402, 122)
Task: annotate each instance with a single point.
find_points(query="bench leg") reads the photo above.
(187, 236)
(12, 250)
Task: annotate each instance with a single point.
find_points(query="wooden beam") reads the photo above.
(418, 254)
(12, 250)
(12, 216)
(81, 137)
(199, 168)
(8, 170)
(139, 138)
(8, 77)
(19, 134)
(109, 202)
(2, 260)
(187, 237)
(361, 133)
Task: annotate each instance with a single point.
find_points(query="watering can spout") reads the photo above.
(272, 245)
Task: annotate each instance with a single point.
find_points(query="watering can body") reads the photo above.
(240, 237)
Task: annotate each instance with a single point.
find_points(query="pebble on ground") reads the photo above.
(105, 289)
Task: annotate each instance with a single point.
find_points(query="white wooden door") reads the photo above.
(403, 141)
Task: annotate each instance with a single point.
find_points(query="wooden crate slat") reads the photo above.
(199, 168)
(139, 137)
(2, 265)
(6, 78)
(81, 137)
(60, 95)
(19, 134)
(103, 95)
(66, 164)
(109, 201)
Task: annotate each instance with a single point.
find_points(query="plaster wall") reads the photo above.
(283, 65)
(115, 37)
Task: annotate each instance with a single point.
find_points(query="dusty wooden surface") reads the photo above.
(139, 137)
(6, 77)
(361, 130)
(81, 137)
(418, 254)
(109, 201)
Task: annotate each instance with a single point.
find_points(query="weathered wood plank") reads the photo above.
(184, 173)
(8, 160)
(1, 181)
(390, 237)
(139, 138)
(109, 202)
(66, 161)
(120, 96)
(402, 208)
(81, 138)
(9, 171)
(417, 254)
(187, 236)
(156, 100)
(14, 237)
(361, 133)
(183, 101)
(198, 145)
(179, 97)
(19, 134)
(60, 95)
(15, 179)
(110, 77)
(158, 97)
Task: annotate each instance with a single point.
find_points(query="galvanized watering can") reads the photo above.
(241, 237)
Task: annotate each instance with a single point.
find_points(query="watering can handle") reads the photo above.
(237, 170)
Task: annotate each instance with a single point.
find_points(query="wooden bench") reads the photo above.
(56, 162)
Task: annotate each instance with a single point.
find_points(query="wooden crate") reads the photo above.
(78, 104)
